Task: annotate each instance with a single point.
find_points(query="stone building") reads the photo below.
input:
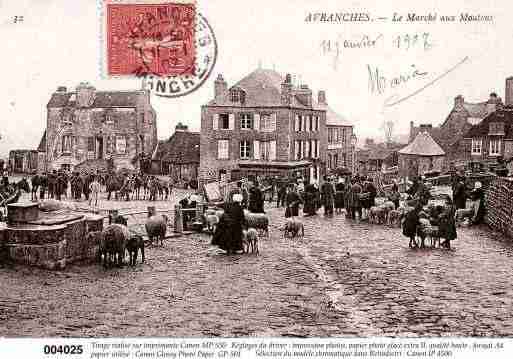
(89, 126)
(339, 133)
(23, 161)
(179, 156)
(421, 156)
(449, 135)
(262, 125)
(492, 138)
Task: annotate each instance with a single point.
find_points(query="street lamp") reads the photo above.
(354, 140)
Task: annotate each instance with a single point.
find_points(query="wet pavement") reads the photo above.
(343, 279)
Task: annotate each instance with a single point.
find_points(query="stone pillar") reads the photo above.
(178, 219)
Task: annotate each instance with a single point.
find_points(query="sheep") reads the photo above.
(394, 218)
(250, 240)
(426, 230)
(463, 213)
(259, 221)
(133, 245)
(377, 215)
(156, 227)
(212, 221)
(293, 229)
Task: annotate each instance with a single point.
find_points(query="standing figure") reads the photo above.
(43, 185)
(327, 196)
(477, 196)
(339, 195)
(447, 224)
(256, 199)
(460, 195)
(410, 225)
(292, 202)
(228, 235)
(52, 184)
(94, 188)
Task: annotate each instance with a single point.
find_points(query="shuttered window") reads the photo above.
(223, 152)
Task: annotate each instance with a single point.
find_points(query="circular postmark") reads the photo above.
(181, 85)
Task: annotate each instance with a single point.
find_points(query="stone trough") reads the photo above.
(47, 239)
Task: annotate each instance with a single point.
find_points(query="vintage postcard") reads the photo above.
(190, 179)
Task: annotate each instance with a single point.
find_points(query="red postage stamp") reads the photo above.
(149, 37)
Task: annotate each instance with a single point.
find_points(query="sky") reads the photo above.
(57, 44)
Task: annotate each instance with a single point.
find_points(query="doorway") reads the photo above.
(99, 148)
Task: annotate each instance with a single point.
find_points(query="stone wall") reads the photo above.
(499, 205)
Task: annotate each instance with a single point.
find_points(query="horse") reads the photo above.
(12, 192)
(113, 183)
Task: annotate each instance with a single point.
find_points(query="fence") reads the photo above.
(499, 205)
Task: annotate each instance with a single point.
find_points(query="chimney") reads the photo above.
(181, 127)
(458, 101)
(425, 127)
(304, 94)
(508, 96)
(85, 94)
(220, 87)
(321, 97)
(286, 90)
(493, 101)
(62, 89)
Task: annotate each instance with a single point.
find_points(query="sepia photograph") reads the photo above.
(288, 170)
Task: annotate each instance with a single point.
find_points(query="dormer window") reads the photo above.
(496, 128)
(234, 95)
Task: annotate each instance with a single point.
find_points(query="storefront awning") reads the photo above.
(285, 165)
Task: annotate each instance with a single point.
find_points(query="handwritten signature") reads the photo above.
(395, 99)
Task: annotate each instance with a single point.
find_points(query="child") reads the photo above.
(410, 225)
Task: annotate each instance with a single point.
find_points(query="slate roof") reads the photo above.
(332, 118)
(423, 145)
(482, 129)
(102, 99)
(42, 143)
(262, 88)
(182, 147)
(476, 110)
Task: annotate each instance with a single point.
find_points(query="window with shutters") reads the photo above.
(224, 121)
(121, 145)
(223, 149)
(477, 146)
(246, 121)
(245, 150)
(268, 122)
(495, 147)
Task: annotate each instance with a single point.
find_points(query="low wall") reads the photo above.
(499, 205)
(50, 246)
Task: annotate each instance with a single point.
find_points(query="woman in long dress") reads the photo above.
(228, 235)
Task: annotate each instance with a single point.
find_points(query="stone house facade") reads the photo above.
(263, 125)
(449, 135)
(339, 131)
(87, 125)
(179, 156)
(492, 138)
(23, 161)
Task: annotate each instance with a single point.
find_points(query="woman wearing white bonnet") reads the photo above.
(477, 197)
(237, 197)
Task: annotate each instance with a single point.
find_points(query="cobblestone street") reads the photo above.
(342, 279)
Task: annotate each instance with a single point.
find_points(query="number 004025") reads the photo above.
(63, 349)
